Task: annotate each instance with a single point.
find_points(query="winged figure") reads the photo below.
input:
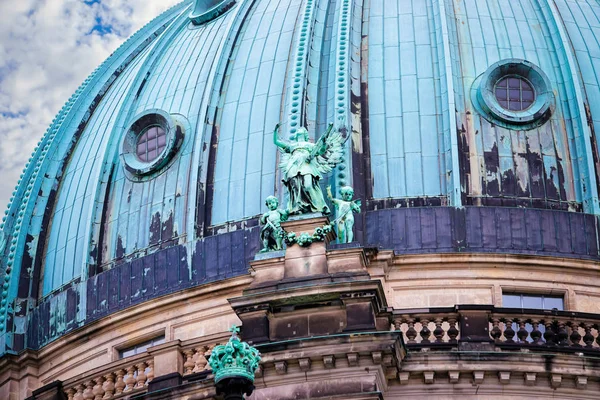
(304, 163)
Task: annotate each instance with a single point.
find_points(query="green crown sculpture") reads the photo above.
(236, 359)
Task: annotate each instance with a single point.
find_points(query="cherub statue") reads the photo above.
(303, 164)
(271, 233)
(346, 207)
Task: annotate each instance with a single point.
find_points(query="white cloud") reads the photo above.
(47, 48)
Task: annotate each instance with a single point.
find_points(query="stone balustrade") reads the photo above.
(116, 380)
(132, 375)
(577, 331)
(506, 328)
(424, 328)
(196, 358)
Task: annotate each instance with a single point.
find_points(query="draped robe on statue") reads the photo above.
(301, 176)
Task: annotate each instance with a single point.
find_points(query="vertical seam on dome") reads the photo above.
(590, 196)
(297, 80)
(454, 172)
(342, 113)
(208, 113)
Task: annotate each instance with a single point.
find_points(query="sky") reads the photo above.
(47, 48)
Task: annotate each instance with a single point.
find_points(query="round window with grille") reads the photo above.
(514, 94)
(150, 143)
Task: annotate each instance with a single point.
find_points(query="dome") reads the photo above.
(151, 178)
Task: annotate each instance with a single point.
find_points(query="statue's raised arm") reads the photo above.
(277, 141)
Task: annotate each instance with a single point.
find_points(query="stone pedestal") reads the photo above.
(310, 291)
(301, 261)
(313, 264)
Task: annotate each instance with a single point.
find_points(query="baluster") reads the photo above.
(425, 332)
(189, 362)
(452, 331)
(71, 393)
(575, 335)
(549, 335)
(109, 386)
(150, 374)
(496, 332)
(201, 360)
(509, 332)
(411, 332)
(536, 334)
(98, 391)
(88, 393)
(141, 375)
(438, 332)
(522, 333)
(79, 394)
(588, 337)
(130, 380)
(563, 336)
(597, 327)
(120, 383)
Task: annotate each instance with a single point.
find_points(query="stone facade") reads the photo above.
(343, 329)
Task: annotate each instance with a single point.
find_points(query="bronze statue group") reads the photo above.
(302, 165)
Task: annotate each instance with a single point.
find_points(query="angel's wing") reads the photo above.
(334, 152)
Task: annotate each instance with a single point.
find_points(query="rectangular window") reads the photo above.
(527, 300)
(140, 347)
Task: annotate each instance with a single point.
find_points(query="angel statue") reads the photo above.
(271, 233)
(345, 207)
(303, 163)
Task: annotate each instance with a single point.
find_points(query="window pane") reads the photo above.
(515, 95)
(127, 353)
(515, 106)
(158, 341)
(141, 149)
(511, 300)
(527, 95)
(532, 302)
(554, 302)
(152, 132)
(501, 94)
(141, 348)
(514, 83)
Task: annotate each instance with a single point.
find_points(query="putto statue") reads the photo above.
(271, 233)
(303, 164)
(345, 209)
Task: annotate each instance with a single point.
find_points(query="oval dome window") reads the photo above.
(514, 94)
(150, 143)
